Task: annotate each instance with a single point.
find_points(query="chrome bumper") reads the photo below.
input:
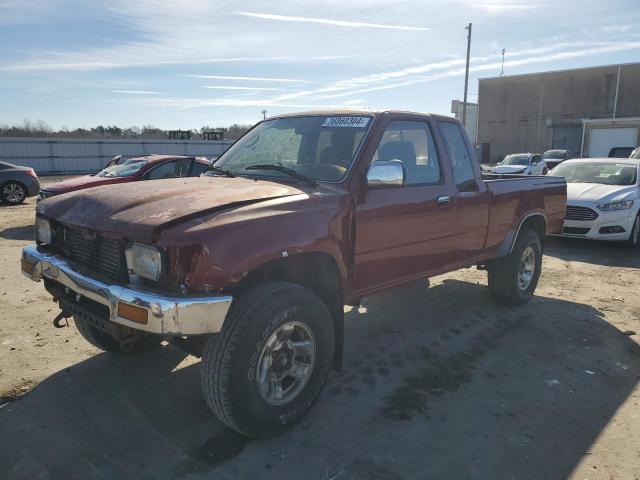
(165, 315)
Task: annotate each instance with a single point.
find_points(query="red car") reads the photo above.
(151, 167)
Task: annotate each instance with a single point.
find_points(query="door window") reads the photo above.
(412, 143)
(463, 174)
(171, 169)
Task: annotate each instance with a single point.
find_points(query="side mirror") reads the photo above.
(386, 174)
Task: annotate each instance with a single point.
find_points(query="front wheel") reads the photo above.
(271, 360)
(513, 279)
(634, 236)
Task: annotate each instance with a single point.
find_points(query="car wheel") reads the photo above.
(13, 193)
(267, 367)
(634, 236)
(513, 279)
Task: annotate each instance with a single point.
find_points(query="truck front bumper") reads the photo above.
(165, 315)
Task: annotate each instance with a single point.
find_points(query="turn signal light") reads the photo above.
(133, 313)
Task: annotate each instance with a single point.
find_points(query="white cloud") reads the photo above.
(227, 87)
(260, 79)
(326, 21)
(136, 92)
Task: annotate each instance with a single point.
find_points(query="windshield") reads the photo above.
(597, 172)
(130, 167)
(320, 148)
(516, 160)
(556, 154)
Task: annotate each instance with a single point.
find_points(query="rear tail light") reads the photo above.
(32, 173)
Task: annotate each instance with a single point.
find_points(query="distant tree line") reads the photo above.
(41, 129)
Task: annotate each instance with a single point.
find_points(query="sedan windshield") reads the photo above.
(129, 168)
(597, 172)
(516, 160)
(315, 148)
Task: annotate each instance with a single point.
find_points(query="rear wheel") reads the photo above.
(634, 236)
(13, 193)
(513, 279)
(271, 360)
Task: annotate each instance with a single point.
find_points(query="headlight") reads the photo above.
(43, 231)
(624, 205)
(146, 261)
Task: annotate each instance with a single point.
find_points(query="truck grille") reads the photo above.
(101, 254)
(580, 213)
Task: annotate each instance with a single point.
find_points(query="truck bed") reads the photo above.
(514, 197)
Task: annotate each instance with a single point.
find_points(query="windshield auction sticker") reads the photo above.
(350, 122)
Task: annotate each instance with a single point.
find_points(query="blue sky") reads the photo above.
(194, 62)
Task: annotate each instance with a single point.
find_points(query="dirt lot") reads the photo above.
(438, 383)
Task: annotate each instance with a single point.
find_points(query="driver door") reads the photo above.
(405, 232)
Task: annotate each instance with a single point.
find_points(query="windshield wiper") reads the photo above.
(278, 167)
(223, 171)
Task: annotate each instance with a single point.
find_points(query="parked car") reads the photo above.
(552, 158)
(152, 167)
(523, 164)
(308, 212)
(17, 183)
(621, 152)
(602, 199)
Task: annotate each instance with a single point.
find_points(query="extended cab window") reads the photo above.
(463, 174)
(411, 143)
(172, 169)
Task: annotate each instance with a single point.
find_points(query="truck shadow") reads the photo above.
(437, 383)
(591, 251)
(18, 233)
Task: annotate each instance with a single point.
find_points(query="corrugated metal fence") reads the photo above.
(72, 155)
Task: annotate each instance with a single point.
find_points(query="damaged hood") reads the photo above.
(140, 210)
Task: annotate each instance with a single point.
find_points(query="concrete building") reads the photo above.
(471, 121)
(587, 110)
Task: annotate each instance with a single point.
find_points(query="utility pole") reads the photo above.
(466, 77)
(502, 69)
(264, 114)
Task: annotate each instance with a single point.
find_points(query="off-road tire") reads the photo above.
(229, 361)
(107, 343)
(503, 272)
(633, 240)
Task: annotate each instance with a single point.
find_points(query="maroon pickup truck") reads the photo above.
(251, 267)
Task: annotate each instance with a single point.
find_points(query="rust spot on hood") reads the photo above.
(141, 210)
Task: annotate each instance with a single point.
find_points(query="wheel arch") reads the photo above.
(536, 220)
(317, 271)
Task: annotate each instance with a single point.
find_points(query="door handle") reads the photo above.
(443, 199)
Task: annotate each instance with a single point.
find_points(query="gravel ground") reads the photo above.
(438, 383)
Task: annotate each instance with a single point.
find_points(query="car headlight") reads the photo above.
(623, 205)
(43, 231)
(146, 261)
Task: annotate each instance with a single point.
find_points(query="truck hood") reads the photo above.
(599, 193)
(85, 181)
(141, 210)
(510, 168)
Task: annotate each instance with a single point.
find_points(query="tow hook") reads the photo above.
(61, 320)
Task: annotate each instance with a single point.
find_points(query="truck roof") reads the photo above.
(359, 111)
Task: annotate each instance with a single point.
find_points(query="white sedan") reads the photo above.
(602, 199)
(522, 164)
